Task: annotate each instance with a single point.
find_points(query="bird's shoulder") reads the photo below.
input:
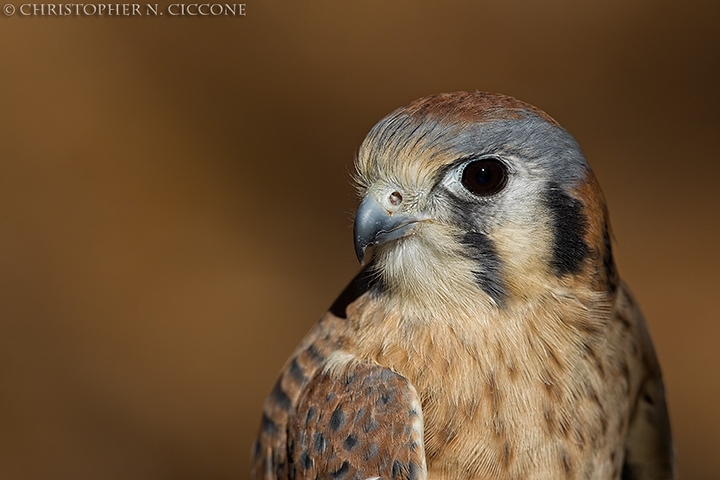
(270, 452)
(331, 413)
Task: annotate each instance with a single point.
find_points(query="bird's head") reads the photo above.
(479, 195)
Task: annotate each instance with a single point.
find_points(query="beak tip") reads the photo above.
(360, 254)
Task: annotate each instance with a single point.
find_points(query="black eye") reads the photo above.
(485, 177)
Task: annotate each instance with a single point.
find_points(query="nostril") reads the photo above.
(395, 199)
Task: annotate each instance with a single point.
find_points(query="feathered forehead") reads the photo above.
(417, 140)
(470, 107)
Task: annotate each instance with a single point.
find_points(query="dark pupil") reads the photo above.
(483, 176)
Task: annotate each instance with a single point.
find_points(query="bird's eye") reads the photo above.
(485, 177)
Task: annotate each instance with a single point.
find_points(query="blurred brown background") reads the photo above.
(175, 205)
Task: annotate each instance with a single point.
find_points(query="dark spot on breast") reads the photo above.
(493, 392)
(563, 426)
(549, 418)
(597, 362)
(569, 227)
(506, 454)
(551, 390)
(589, 326)
(578, 437)
(311, 414)
(337, 419)
(566, 465)
(498, 426)
(512, 370)
(472, 407)
(591, 393)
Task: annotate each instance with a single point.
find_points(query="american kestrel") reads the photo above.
(489, 336)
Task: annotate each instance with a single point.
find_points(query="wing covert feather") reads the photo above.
(649, 451)
(364, 422)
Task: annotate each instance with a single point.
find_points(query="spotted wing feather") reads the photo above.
(365, 422)
(332, 416)
(270, 449)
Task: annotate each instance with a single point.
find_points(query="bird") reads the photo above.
(488, 334)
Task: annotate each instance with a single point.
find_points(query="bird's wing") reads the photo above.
(330, 415)
(364, 422)
(649, 450)
(359, 421)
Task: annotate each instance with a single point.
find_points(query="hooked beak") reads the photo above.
(375, 225)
